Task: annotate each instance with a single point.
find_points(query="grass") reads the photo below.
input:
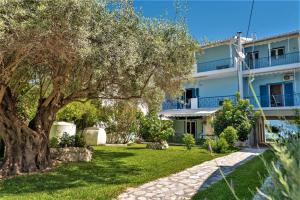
(112, 170)
(245, 179)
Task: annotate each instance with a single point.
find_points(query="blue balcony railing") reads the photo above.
(215, 65)
(203, 102)
(172, 104)
(276, 100)
(211, 102)
(273, 61)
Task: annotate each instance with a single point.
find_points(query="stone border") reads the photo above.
(72, 154)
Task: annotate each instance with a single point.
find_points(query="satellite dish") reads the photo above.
(241, 55)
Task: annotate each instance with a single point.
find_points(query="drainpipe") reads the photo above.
(239, 65)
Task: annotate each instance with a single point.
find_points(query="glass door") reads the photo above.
(191, 127)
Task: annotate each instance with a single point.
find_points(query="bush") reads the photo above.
(79, 140)
(152, 129)
(239, 115)
(230, 135)
(67, 140)
(200, 141)
(209, 144)
(217, 146)
(188, 140)
(221, 146)
(54, 142)
(122, 121)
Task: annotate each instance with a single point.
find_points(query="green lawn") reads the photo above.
(245, 179)
(112, 170)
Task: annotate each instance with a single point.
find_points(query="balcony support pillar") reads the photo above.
(299, 49)
(239, 66)
(230, 55)
(269, 53)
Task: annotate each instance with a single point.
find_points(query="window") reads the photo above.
(252, 58)
(277, 52)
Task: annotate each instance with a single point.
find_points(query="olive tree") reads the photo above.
(65, 51)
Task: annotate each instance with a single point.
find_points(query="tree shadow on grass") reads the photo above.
(136, 148)
(105, 169)
(217, 176)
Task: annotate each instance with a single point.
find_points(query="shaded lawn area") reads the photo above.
(245, 179)
(112, 170)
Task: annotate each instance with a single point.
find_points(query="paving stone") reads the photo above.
(185, 184)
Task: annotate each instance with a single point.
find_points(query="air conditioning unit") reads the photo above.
(288, 77)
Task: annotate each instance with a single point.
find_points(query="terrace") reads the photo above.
(215, 65)
(284, 100)
(195, 103)
(284, 59)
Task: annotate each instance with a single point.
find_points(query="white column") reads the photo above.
(299, 47)
(195, 65)
(295, 85)
(288, 45)
(239, 67)
(269, 53)
(230, 55)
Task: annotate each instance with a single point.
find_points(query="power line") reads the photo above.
(250, 17)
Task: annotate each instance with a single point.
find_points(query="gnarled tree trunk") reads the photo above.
(26, 148)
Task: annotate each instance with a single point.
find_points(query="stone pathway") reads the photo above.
(185, 184)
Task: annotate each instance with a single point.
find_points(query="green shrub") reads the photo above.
(67, 140)
(211, 143)
(217, 146)
(230, 135)
(188, 140)
(239, 114)
(175, 139)
(152, 129)
(54, 142)
(79, 140)
(200, 141)
(221, 146)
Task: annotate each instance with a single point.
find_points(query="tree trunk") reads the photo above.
(26, 148)
(25, 151)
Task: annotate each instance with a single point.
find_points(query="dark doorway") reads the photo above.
(188, 96)
(276, 95)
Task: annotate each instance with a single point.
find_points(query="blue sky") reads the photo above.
(222, 19)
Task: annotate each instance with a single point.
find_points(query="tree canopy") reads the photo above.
(55, 52)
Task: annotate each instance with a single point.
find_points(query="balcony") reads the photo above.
(211, 102)
(284, 59)
(201, 102)
(215, 65)
(286, 100)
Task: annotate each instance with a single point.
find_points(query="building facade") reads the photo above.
(266, 71)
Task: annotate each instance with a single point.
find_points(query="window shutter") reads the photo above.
(197, 92)
(288, 94)
(264, 96)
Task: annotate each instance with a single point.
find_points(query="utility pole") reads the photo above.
(240, 58)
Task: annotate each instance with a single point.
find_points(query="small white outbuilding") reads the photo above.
(94, 136)
(59, 128)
